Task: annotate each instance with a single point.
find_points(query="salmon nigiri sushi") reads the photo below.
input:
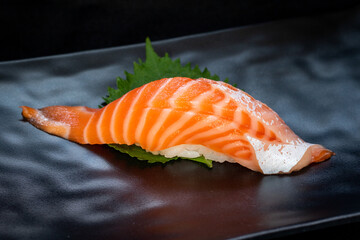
(187, 118)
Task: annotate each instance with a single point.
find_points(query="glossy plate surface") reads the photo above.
(307, 70)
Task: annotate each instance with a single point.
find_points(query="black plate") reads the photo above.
(305, 69)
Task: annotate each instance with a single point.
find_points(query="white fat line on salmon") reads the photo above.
(196, 102)
(113, 122)
(221, 128)
(203, 123)
(85, 132)
(99, 124)
(179, 92)
(156, 127)
(219, 106)
(276, 158)
(174, 127)
(158, 91)
(238, 114)
(227, 130)
(141, 124)
(128, 116)
(236, 144)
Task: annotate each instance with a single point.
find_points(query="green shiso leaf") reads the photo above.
(154, 68)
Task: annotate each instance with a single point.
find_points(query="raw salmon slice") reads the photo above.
(187, 118)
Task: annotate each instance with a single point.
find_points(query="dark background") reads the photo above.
(41, 28)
